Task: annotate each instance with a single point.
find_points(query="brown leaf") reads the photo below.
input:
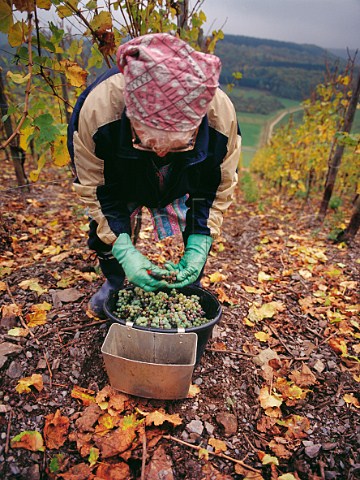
(81, 471)
(338, 345)
(115, 471)
(248, 474)
(305, 378)
(279, 449)
(211, 473)
(83, 442)
(158, 417)
(115, 442)
(160, 466)
(30, 440)
(86, 422)
(55, 429)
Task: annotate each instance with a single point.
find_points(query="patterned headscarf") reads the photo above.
(168, 84)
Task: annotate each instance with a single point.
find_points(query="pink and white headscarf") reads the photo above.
(168, 84)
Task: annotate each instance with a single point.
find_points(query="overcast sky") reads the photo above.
(326, 23)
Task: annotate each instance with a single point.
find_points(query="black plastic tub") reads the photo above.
(209, 303)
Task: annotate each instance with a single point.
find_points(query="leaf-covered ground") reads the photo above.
(276, 394)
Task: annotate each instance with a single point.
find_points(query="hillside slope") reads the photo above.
(285, 69)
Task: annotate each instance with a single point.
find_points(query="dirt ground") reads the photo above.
(291, 410)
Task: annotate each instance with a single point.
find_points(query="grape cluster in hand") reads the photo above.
(160, 310)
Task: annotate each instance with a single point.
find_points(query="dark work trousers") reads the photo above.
(110, 267)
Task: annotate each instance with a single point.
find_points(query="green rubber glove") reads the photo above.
(192, 262)
(138, 269)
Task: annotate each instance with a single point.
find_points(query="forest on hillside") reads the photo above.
(285, 69)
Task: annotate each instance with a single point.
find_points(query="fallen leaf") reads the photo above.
(30, 440)
(338, 345)
(86, 422)
(81, 471)
(11, 310)
(222, 297)
(279, 449)
(262, 336)
(351, 399)
(193, 391)
(158, 417)
(217, 277)
(115, 471)
(18, 332)
(55, 430)
(305, 378)
(35, 319)
(203, 454)
(25, 383)
(264, 277)
(83, 394)
(219, 445)
(93, 456)
(248, 474)
(115, 442)
(269, 460)
(33, 285)
(267, 310)
(267, 399)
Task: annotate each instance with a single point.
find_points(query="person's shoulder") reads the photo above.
(221, 111)
(105, 100)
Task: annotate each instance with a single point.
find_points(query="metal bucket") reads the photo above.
(149, 364)
(209, 303)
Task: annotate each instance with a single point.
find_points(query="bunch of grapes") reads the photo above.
(160, 310)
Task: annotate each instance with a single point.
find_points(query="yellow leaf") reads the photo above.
(45, 4)
(74, 73)
(24, 136)
(252, 289)
(6, 18)
(52, 250)
(32, 284)
(305, 273)
(2, 286)
(351, 399)
(25, 383)
(267, 400)
(65, 11)
(219, 445)
(269, 460)
(17, 32)
(203, 454)
(217, 277)
(158, 417)
(38, 307)
(264, 277)
(288, 476)
(267, 310)
(262, 336)
(60, 154)
(248, 323)
(193, 391)
(17, 77)
(18, 332)
(103, 20)
(36, 318)
(83, 394)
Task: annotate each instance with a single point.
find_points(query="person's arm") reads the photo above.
(101, 195)
(215, 193)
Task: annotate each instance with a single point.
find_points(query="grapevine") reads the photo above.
(164, 310)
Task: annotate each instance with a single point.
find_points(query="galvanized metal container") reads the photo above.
(210, 304)
(149, 364)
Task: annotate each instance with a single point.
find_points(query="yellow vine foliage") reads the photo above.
(296, 160)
